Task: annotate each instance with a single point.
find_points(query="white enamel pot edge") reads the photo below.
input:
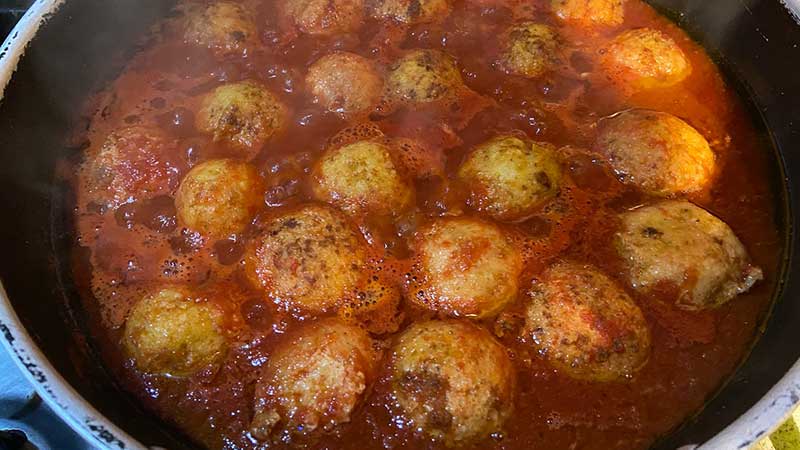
(757, 422)
(54, 390)
(763, 417)
(15, 43)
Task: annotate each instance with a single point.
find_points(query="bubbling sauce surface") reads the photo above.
(138, 246)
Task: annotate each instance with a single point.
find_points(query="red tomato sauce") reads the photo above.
(139, 246)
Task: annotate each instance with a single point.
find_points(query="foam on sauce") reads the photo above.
(139, 246)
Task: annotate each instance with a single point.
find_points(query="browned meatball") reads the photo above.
(170, 333)
(363, 177)
(309, 258)
(423, 76)
(453, 381)
(590, 13)
(222, 26)
(586, 325)
(464, 267)
(410, 11)
(345, 83)
(509, 177)
(529, 49)
(314, 380)
(133, 164)
(219, 197)
(684, 245)
(325, 17)
(645, 58)
(244, 115)
(656, 151)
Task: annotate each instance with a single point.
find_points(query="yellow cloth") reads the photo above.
(786, 437)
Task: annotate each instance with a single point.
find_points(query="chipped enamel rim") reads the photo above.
(761, 419)
(65, 401)
(53, 389)
(794, 8)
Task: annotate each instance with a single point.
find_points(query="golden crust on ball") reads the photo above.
(645, 58)
(453, 381)
(423, 76)
(464, 267)
(410, 11)
(133, 163)
(362, 177)
(585, 324)
(219, 197)
(656, 151)
(509, 178)
(170, 333)
(529, 49)
(345, 83)
(244, 114)
(681, 244)
(314, 380)
(590, 13)
(224, 27)
(308, 258)
(325, 17)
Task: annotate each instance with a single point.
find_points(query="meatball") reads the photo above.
(345, 83)
(133, 164)
(314, 379)
(245, 115)
(464, 267)
(219, 197)
(324, 17)
(452, 380)
(309, 258)
(657, 152)
(423, 76)
(362, 177)
(410, 11)
(585, 324)
(509, 177)
(529, 49)
(644, 58)
(224, 27)
(590, 13)
(680, 244)
(171, 333)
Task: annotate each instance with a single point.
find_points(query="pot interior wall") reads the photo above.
(85, 44)
(74, 54)
(757, 45)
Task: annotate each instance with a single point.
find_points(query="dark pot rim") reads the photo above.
(759, 420)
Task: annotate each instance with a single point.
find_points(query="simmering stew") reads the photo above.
(509, 224)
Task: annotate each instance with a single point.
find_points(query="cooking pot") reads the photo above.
(63, 51)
